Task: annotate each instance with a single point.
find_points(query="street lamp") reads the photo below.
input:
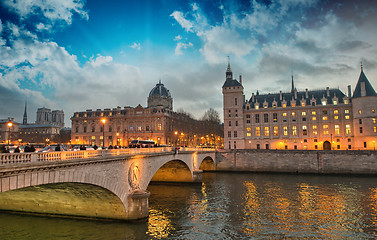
(374, 145)
(10, 124)
(103, 120)
(118, 139)
(176, 138)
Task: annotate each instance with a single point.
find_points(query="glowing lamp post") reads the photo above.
(10, 124)
(103, 120)
(374, 145)
(176, 138)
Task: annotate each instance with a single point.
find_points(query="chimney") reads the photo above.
(241, 79)
(281, 96)
(349, 91)
(252, 97)
(328, 91)
(306, 93)
(295, 93)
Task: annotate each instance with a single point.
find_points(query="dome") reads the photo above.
(159, 90)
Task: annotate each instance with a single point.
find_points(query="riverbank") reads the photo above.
(297, 161)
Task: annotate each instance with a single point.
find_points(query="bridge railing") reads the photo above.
(18, 158)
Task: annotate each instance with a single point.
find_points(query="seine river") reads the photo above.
(230, 206)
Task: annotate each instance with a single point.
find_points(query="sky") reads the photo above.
(75, 55)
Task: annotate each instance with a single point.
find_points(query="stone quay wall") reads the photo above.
(298, 161)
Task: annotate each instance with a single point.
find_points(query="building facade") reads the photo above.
(8, 131)
(119, 126)
(324, 119)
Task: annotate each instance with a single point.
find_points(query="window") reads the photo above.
(294, 130)
(248, 134)
(336, 111)
(293, 114)
(159, 127)
(235, 134)
(349, 146)
(258, 146)
(361, 129)
(276, 131)
(235, 101)
(101, 129)
(347, 117)
(365, 144)
(285, 130)
(131, 128)
(304, 130)
(236, 123)
(314, 118)
(325, 126)
(248, 129)
(256, 118)
(360, 121)
(284, 105)
(373, 120)
(247, 121)
(348, 129)
(275, 117)
(266, 131)
(373, 111)
(110, 129)
(303, 113)
(337, 130)
(77, 129)
(247, 115)
(375, 129)
(336, 117)
(93, 129)
(314, 112)
(304, 119)
(257, 131)
(285, 114)
(346, 111)
(85, 129)
(335, 102)
(146, 128)
(265, 117)
(324, 118)
(326, 132)
(230, 123)
(256, 106)
(359, 111)
(315, 147)
(229, 134)
(338, 147)
(324, 102)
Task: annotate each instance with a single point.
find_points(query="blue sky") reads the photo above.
(76, 55)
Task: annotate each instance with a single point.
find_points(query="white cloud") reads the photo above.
(177, 38)
(1, 26)
(180, 46)
(136, 46)
(178, 16)
(52, 10)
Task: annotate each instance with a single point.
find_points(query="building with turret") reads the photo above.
(312, 119)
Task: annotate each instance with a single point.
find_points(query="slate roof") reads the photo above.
(159, 90)
(232, 83)
(287, 96)
(368, 87)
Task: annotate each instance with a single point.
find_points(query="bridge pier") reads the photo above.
(138, 207)
(197, 176)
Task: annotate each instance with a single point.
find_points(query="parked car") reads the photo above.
(52, 148)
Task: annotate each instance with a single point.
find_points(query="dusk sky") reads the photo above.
(76, 55)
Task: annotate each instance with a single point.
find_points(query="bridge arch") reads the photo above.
(173, 171)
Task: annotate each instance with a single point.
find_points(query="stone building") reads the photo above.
(122, 125)
(311, 119)
(8, 132)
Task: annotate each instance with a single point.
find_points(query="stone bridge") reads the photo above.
(95, 184)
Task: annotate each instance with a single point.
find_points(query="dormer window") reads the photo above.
(323, 102)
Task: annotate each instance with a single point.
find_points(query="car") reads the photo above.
(52, 148)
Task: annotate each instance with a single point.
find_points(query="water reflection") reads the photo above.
(231, 206)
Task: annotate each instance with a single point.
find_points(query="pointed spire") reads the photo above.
(159, 81)
(229, 74)
(24, 121)
(361, 65)
(363, 87)
(293, 85)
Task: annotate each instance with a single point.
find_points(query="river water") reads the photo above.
(230, 206)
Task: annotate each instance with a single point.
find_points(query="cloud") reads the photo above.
(136, 46)
(178, 16)
(180, 46)
(178, 38)
(50, 10)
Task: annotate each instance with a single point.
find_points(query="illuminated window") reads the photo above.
(335, 102)
(337, 130)
(294, 130)
(285, 130)
(324, 102)
(326, 132)
(314, 112)
(336, 117)
(293, 114)
(303, 104)
(159, 128)
(359, 111)
(324, 118)
(275, 117)
(276, 131)
(303, 113)
(314, 118)
(256, 106)
(248, 129)
(314, 126)
(266, 131)
(375, 129)
(139, 128)
(304, 130)
(373, 111)
(284, 105)
(347, 117)
(248, 134)
(293, 104)
(315, 132)
(346, 101)
(373, 120)
(347, 111)
(257, 131)
(335, 111)
(325, 126)
(348, 129)
(284, 114)
(94, 137)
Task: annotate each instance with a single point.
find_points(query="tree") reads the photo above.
(211, 115)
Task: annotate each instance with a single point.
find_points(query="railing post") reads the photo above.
(33, 157)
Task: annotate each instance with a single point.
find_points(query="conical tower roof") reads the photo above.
(363, 87)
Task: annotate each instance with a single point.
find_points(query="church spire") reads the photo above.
(229, 73)
(293, 85)
(24, 121)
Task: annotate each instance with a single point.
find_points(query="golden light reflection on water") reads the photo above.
(159, 224)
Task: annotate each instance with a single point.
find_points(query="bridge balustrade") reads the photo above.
(17, 158)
